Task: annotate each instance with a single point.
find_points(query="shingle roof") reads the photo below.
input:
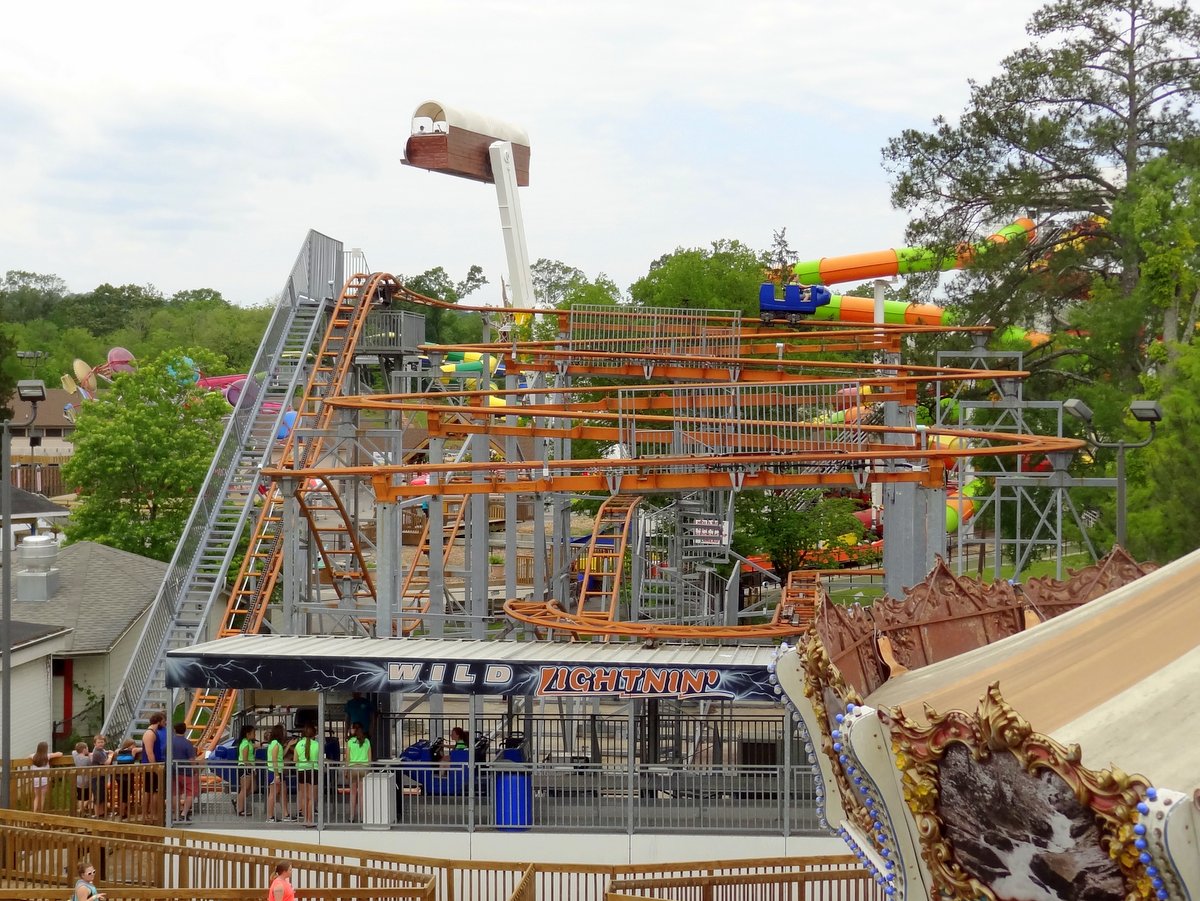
(31, 633)
(102, 591)
(51, 413)
(26, 506)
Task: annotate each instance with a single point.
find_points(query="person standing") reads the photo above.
(41, 782)
(81, 757)
(154, 751)
(85, 886)
(100, 757)
(277, 789)
(126, 755)
(281, 885)
(308, 760)
(358, 710)
(183, 754)
(246, 750)
(358, 750)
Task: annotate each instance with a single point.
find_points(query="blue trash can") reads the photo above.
(514, 800)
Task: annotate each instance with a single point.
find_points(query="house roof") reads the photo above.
(29, 506)
(24, 634)
(102, 591)
(51, 413)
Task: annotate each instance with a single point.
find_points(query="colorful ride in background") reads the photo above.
(86, 380)
(813, 274)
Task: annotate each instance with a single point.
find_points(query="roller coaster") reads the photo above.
(700, 407)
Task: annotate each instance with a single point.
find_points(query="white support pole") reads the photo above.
(512, 225)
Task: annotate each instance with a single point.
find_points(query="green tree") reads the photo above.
(440, 327)
(9, 373)
(1105, 87)
(725, 276)
(142, 449)
(29, 295)
(107, 308)
(1164, 492)
(559, 286)
(797, 529)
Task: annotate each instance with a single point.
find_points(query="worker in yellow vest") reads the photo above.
(358, 750)
(308, 760)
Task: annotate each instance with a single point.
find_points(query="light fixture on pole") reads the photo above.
(1143, 411)
(32, 392)
(33, 358)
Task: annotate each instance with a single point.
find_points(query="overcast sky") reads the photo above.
(192, 145)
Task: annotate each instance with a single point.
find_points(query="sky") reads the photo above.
(193, 145)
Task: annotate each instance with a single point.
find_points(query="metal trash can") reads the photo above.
(514, 799)
(379, 800)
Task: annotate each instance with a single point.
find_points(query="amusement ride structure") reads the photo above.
(700, 405)
(364, 472)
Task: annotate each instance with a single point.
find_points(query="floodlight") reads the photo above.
(1061, 460)
(1146, 411)
(1077, 408)
(31, 390)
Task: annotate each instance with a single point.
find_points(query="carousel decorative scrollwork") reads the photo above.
(829, 694)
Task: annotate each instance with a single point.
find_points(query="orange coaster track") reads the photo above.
(784, 442)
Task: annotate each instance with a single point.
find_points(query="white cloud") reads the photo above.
(193, 146)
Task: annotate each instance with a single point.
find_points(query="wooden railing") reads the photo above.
(846, 885)
(44, 851)
(41, 852)
(123, 786)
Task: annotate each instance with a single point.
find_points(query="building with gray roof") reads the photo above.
(101, 595)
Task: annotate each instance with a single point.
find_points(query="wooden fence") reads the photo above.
(40, 851)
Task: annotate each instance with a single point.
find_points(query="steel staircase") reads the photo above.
(209, 713)
(680, 538)
(197, 571)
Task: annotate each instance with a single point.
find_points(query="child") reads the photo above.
(100, 757)
(277, 789)
(41, 783)
(126, 754)
(81, 757)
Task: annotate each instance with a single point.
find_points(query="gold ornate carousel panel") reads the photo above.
(1005, 772)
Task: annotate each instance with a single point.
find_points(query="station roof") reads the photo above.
(546, 669)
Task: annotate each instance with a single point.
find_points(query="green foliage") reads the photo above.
(9, 372)
(443, 326)
(796, 531)
(142, 450)
(29, 295)
(108, 308)
(1164, 490)
(559, 286)
(1105, 87)
(725, 276)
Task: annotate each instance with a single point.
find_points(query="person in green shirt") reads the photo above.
(277, 790)
(308, 760)
(358, 750)
(246, 748)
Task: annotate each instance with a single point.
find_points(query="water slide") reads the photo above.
(895, 261)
